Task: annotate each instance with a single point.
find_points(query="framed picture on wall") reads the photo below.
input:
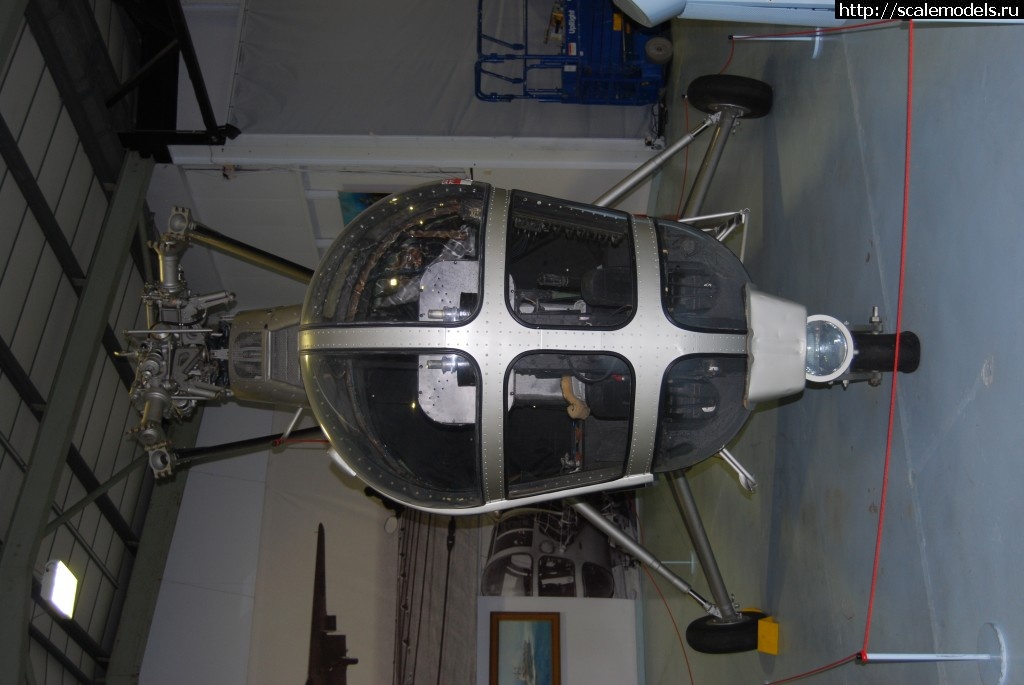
(525, 648)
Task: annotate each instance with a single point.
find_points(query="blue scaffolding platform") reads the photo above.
(572, 51)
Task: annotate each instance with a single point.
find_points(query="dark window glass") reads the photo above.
(407, 436)
(569, 265)
(702, 280)
(568, 421)
(701, 409)
(411, 257)
(517, 538)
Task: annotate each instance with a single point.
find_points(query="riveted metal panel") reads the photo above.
(371, 338)
(488, 327)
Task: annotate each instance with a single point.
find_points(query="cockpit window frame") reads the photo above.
(354, 233)
(730, 269)
(370, 465)
(629, 235)
(578, 479)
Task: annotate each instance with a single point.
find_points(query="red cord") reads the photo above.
(686, 161)
(896, 360)
(732, 51)
(728, 61)
(675, 626)
(899, 326)
(895, 374)
(668, 609)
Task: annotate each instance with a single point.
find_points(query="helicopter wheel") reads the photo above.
(707, 634)
(714, 92)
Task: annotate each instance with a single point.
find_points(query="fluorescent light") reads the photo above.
(60, 587)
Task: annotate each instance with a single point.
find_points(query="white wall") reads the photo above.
(304, 489)
(203, 618)
(236, 599)
(404, 67)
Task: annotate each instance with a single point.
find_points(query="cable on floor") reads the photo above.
(668, 609)
(675, 626)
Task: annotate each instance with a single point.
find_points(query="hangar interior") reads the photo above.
(206, 577)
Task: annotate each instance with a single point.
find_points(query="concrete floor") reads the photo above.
(823, 176)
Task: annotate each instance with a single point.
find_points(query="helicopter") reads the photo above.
(468, 349)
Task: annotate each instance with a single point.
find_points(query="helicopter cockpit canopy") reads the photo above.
(467, 347)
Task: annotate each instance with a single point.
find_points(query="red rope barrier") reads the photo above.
(895, 377)
(899, 326)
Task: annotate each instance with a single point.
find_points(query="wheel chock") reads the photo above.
(768, 636)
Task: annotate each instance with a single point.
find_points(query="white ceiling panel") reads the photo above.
(266, 205)
(263, 208)
(257, 287)
(325, 212)
(323, 186)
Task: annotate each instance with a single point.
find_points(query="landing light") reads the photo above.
(829, 348)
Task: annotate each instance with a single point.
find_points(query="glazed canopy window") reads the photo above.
(702, 284)
(568, 421)
(569, 264)
(701, 409)
(371, 405)
(701, 405)
(413, 257)
(406, 421)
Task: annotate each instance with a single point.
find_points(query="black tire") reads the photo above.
(658, 50)
(708, 635)
(712, 93)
